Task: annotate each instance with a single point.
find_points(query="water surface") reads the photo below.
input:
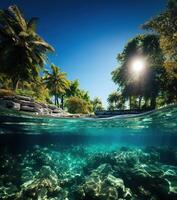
(124, 157)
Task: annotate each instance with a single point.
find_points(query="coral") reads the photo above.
(79, 173)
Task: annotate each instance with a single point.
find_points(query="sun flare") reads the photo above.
(138, 65)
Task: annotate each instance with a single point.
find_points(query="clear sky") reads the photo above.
(88, 34)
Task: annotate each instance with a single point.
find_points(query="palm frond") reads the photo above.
(17, 16)
(31, 25)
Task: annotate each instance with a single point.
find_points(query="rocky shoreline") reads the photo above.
(28, 105)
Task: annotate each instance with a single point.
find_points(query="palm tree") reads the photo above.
(97, 104)
(116, 99)
(22, 50)
(84, 95)
(73, 89)
(149, 81)
(57, 83)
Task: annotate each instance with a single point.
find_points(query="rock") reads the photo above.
(98, 159)
(42, 186)
(45, 111)
(52, 107)
(3, 103)
(12, 105)
(57, 111)
(25, 98)
(47, 173)
(117, 182)
(27, 175)
(43, 105)
(8, 97)
(102, 185)
(103, 169)
(29, 109)
(28, 103)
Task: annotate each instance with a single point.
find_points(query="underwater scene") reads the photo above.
(118, 158)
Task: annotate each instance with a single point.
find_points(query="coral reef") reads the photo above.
(80, 173)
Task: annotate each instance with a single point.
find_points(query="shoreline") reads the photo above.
(27, 106)
(24, 106)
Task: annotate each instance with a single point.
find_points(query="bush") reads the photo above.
(4, 92)
(39, 93)
(78, 105)
(25, 92)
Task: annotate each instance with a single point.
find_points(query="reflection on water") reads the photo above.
(132, 157)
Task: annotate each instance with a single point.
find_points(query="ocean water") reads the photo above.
(126, 157)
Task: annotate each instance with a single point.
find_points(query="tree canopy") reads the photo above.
(165, 24)
(22, 50)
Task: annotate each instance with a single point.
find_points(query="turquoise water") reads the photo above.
(124, 157)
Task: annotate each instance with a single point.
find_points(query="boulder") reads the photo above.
(30, 104)
(3, 103)
(52, 107)
(25, 98)
(29, 109)
(42, 186)
(57, 110)
(43, 105)
(9, 97)
(13, 105)
(102, 185)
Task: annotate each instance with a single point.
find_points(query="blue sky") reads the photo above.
(88, 34)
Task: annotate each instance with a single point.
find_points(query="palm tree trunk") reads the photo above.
(130, 102)
(139, 103)
(62, 101)
(57, 102)
(15, 84)
(55, 99)
(153, 102)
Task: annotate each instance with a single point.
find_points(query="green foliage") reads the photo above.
(78, 105)
(165, 24)
(25, 92)
(36, 89)
(22, 50)
(97, 104)
(23, 55)
(57, 83)
(84, 95)
(73, 89)
(111, 107)
(116, 101)
(149, 82)
(5, 82)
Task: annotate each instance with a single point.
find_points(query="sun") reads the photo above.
(137, 65)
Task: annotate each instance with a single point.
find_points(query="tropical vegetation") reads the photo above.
(25, 70)
(23, 58)
(116, 101)
(156, 84)
(97, 104)
(22, 50)
(57, 83)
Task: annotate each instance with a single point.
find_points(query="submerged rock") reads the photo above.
(102, 185)
(73, 173)
(42, 186)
